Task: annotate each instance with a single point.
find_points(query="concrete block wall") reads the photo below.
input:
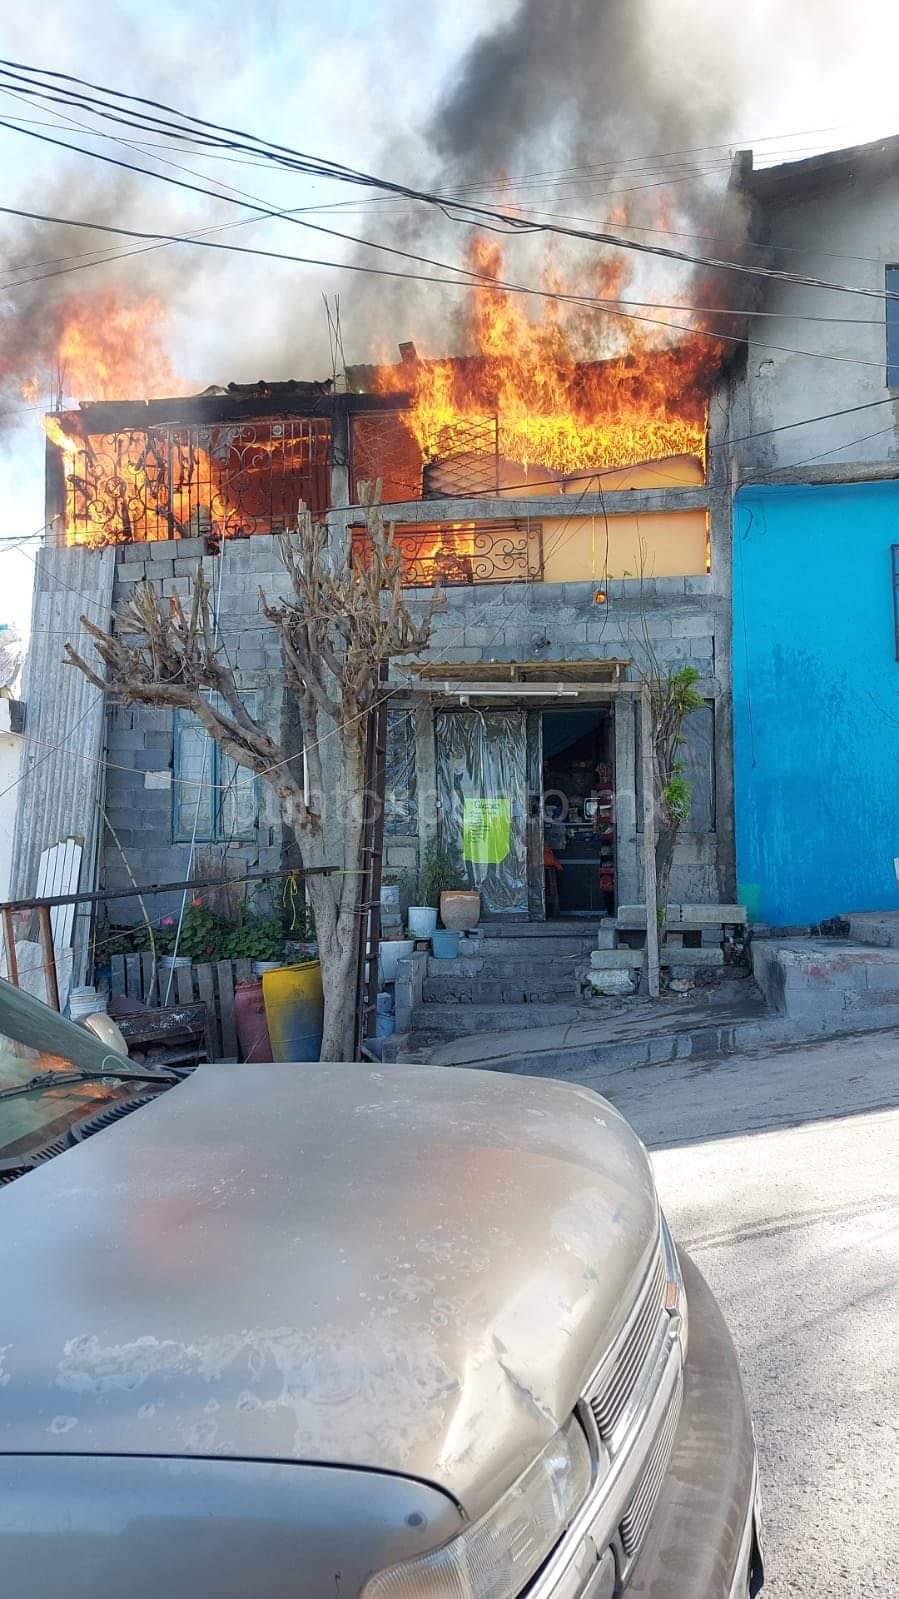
(677, 620)
(140, 742)
(684, 620)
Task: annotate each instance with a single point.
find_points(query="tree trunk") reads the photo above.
(667, 834)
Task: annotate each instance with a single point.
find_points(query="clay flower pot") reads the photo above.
(460, 909)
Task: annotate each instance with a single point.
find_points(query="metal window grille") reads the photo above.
(211, 793)
(223, 480)
(456, 458)
(459, 553)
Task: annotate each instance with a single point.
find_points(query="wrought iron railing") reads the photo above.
(222, 480)
(416, 458)
(486, 552)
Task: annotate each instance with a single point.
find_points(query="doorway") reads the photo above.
(578, 811)
(482, 800)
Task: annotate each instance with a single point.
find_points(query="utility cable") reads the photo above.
(481, 282)
(291, 159)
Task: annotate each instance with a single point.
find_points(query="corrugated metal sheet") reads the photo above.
(61, 787)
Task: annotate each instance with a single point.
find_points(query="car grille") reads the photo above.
(636, 1519)
(609, 1399)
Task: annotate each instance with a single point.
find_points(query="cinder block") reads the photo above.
(699, 626)
(613, 960)
(130, 572)
(161, 549)
(189, 547)
(673, 955)
(729, 915)
(606, 938)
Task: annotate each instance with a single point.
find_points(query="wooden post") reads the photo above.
(46, 936)
(649, 844)
(9, 938)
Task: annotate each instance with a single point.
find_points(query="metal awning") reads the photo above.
(606, 671)
(520, 680)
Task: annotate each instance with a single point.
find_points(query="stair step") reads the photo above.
(536, 948)
(495, 968)
(455, 1020)
(585, 928)
(489, 991)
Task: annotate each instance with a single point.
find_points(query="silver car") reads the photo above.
(349, 1332)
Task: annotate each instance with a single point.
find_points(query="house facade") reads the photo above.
(816, 546)
(516, 732)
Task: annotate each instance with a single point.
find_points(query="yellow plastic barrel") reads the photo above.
(294, 1010)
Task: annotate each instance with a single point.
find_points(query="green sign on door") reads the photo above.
(486, 830)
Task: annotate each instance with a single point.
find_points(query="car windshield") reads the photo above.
(35, 1041)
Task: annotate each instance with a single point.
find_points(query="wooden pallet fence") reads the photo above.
(211, 983)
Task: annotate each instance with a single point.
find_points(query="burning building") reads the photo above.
(572, 510)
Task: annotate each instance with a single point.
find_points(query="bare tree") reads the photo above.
(343, 620)
(672, 696)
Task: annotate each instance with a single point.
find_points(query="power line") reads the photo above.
(479, 281)
(284, 156)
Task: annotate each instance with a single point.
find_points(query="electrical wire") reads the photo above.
(481, 282)
(290, 159)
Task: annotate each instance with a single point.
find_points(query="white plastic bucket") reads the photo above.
(86, 1002)
(422, 920)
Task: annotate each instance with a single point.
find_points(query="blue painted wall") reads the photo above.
(816, 701)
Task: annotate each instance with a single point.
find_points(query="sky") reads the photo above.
(403, 89)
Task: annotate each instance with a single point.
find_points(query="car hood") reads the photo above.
(411, 1268)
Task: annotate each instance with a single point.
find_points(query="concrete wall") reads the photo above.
(843, 235)
(140, 742)
(816, 700)
(10, 765)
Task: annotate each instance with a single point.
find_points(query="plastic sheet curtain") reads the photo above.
(482, 794)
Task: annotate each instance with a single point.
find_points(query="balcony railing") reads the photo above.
(221, 481)
(471, 552)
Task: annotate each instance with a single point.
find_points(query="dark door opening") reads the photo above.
(578, 812)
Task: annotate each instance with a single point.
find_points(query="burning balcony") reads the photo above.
(130, 473)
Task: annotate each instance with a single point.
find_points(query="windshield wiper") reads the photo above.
(63, 1079)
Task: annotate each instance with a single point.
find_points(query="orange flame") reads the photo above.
(108, 348)
(557, 405)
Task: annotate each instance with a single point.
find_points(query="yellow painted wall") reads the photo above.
(659, 544)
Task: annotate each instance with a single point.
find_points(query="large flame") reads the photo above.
(555, 405)
(106, 346)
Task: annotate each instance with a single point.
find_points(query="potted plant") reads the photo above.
(259, 939)
(439, 878)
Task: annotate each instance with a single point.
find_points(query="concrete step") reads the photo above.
(455, 1020)
(536, 947)
(488, 990)
(572, 926)
(879, 929)
(621, 959)
(832, 982)
(501, 966)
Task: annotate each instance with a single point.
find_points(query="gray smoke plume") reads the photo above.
(583, 75)
(572, 111)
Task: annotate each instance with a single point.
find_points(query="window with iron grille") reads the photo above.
(222, 480)
(215, 801)
(892, 326)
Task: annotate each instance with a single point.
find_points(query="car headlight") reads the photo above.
(496, 1556)
(675, 1293)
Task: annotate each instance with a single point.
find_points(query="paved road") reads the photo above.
(780, 1173)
